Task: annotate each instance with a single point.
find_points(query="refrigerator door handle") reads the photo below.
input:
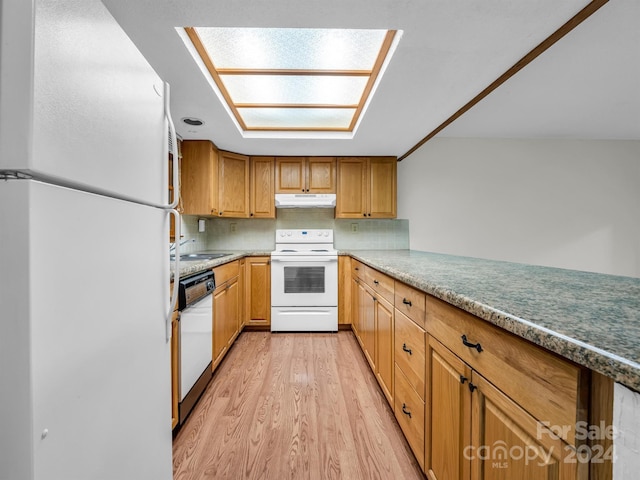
(174, 148)
(176, 275)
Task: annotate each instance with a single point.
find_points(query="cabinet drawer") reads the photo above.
(379, 283)
(357, 268)
(225, 272)
(411, 302)
(550, 388)
(410, 342)
(409, 410)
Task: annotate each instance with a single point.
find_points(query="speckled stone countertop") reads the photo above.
(191, 267)
(589, 318)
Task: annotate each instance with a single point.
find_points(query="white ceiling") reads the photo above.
(585, 86)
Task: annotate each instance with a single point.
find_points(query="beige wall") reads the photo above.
(565, 203)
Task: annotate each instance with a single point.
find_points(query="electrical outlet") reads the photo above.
(233, 227)
(354, 227)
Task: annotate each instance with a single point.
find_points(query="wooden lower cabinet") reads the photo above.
(367, 324)
(448, 414)
(344, 290)
(226, 309)
(226, 318)
(409, 411)
(258, 291)
(384, 346)
(507, 442)
(355, 309)
(475, 431)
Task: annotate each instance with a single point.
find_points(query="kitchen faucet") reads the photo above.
(172, 246)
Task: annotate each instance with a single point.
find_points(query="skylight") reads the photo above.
(293, 79)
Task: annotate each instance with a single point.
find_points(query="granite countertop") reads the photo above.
(190, 267)
(589, 318)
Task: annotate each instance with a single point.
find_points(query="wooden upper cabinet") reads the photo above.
(366, 187)
(290, 175)
(262, 188)
(382, 187)
(233, 184)
(321, 175)
(305, 174)
(352, 191)
(199, 178)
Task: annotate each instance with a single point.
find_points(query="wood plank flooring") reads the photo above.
(293, 406)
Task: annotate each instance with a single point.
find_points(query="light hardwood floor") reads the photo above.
(293, 406)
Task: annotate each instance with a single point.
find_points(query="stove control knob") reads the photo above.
(288, 234)
(326, 234)
(282, 234)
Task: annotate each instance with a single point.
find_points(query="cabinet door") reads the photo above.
(384, 346)
(220, 314)
(262, 188)
(232, 318)
(258, 291)
(352, 187)
(355, 309)
(321, 175)
(199, 178)
(344, 290)
(448, 414)
(368, 325)
(290, 175)
(233, 200)
(382, 187)
(241, 295)
(509, 443)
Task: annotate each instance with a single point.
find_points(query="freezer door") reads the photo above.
(86, 284)
(98, 108)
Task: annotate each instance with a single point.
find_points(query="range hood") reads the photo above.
(305, 200)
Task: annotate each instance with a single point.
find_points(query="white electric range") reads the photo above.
(304, 281)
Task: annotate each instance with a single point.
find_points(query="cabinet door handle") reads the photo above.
(408, 350)
(406, 302)
(364, 214)
(356, 269)
(251, 214)
(472, 387)
(405, 411)
(368, 214)
(466, 343)
(376, 282)
(463, 379)
(220, 213)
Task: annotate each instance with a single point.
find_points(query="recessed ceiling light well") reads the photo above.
(276, 80)
(196, 122)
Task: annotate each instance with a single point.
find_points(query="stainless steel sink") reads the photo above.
(199, 256)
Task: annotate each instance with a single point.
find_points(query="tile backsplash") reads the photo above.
(259, 234)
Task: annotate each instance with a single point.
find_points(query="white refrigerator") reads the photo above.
(84, 270)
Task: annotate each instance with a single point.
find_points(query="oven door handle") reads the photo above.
(304, 258)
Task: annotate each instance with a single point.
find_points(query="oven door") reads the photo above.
(304, 281)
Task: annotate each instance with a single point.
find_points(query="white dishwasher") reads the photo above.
(196, 334)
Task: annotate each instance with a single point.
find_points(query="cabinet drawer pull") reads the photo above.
(408, 350)
(463, 379)
(376, 282)
(466, 343)
(405, 411)
(406, 302)
(356, 269)
(472, 387)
